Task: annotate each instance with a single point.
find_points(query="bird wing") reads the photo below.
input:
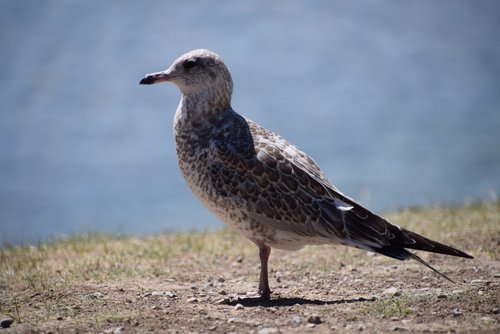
(282, 187)
(323, 210)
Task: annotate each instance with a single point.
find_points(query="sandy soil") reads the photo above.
(319, 289)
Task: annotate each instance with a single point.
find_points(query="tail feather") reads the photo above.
(419, 259)
(408, 239)
(419, 242)
(369, 231)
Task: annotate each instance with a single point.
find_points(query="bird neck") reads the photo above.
(205, 103)
(196, 109)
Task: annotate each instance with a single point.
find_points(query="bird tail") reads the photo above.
(408, 239)
(419, 242)
(419, 259)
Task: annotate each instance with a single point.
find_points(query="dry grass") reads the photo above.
(96, 283)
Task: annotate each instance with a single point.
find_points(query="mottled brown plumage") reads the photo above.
(259, 183)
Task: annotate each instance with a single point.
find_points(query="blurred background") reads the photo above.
(398, 101)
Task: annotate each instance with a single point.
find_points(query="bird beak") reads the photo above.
(152, 78)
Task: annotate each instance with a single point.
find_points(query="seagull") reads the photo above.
(256, 181)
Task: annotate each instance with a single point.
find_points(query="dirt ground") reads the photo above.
(133, 285)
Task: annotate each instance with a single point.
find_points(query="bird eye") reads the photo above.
(189, 64)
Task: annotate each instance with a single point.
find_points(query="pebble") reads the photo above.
(268, 330)
(192, 300)
(170, 294)
(222, 292)
(495, 310)
(311, 325)
(223, 301)
(457, 313)
(397, 328)
(6, 322)
(118, 330)
(392, 291)
(239, 307)
(221, 279)
(478, 281)
(487, 319)
(157, 293)
(314, 319)
(497, 275)
(95, 295)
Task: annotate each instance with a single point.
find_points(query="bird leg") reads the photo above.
(264, 291)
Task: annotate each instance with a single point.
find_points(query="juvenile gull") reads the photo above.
(262, 185)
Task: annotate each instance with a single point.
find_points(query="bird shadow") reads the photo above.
(281, 302)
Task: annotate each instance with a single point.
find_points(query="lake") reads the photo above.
(398, 101)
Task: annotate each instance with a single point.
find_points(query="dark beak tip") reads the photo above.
(146, 81)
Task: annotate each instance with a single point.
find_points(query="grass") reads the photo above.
(39, 284)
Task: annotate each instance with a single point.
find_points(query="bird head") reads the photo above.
(195, 72)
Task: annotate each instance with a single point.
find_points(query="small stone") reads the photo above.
(231, 320)
(222, 292)
(296, 319)
(392, 291)
(457, 313)
(6, 322)
(397, 328)
(170, 294)
(487, 319)
(239, 307)
(96, 295)
(60, 317)
(395, 319)
(361, 327)
(239, 259)
(157, 293)
(370, 254)
(497, 275)
(118, 330)
(442, 296)
(221, 279)
(268, 330)
(192, 300)
(314, 319)
(478, 281)
(495, 310)
(223, 301)
(311, 325)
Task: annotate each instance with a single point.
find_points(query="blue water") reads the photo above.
(399, 102)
